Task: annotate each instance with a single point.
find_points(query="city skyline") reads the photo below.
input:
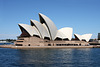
(82, 15)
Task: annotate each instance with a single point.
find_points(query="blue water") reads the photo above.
(86, 57)
(6, 43)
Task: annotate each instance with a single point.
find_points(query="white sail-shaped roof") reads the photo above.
(49, 24)
(85, 36)
(60, 35)
(31, 30)
(78, 36)
(65, 33)
(44, 33)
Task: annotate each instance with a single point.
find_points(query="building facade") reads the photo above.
(98, 36)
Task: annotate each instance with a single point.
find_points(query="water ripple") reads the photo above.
(87, 57)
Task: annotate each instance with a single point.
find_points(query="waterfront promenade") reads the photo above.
(28, 47)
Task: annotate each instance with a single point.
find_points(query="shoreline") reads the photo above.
(32, 47)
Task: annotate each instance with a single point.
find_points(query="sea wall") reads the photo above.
(29, 47)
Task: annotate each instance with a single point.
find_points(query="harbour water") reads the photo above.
(6, 43)
(84, 57)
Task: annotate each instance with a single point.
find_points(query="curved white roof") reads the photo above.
(60, 35)
(40, 28)
(65, 33)
(50, 25)
(85, 36)
(78, 36)
(31, 30)
(47, 34)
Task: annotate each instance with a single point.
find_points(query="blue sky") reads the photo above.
(82, 15)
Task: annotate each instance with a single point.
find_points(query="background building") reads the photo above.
(98, 37)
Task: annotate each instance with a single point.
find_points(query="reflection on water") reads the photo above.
(50, 57)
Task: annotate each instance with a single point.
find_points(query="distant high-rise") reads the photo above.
(98, 36)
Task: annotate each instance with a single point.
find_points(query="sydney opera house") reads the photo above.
(45, 33)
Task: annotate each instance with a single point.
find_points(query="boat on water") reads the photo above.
(5, 43)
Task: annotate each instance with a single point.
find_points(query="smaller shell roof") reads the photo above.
(84, 36)
(65, 33)
(31, 30)
(78, 36)
(60, 35)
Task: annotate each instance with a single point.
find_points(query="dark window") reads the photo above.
(18, 44)
(49, 44)
(58, 44)
(28, 44)
(19, 41)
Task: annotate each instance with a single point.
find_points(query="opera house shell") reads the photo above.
(85, 37)
(45, 33)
